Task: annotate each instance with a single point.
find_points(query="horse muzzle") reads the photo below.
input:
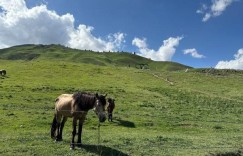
(102, 117)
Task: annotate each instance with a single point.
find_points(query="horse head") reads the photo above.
(100, 107)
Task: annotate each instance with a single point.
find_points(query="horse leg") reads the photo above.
(111, 117)
(58, 118)
(73, 133)
(80, 127)
(61, 127)
(53, 127)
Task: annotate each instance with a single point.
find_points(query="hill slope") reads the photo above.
(58, 52)
(158, 112)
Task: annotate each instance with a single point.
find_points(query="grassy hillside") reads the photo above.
(158, 112)
(58, 52)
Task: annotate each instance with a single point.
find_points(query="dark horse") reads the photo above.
(76, 106)
(110, 108)
(3, 72)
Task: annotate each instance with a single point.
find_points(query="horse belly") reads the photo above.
(67, 113)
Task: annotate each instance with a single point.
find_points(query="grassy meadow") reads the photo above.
(159, 111)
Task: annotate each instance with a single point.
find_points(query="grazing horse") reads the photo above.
(110, 108)
(76, 106)
(3, 72)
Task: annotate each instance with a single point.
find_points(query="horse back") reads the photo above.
(63, 105)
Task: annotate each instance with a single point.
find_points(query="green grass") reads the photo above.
(198, 113)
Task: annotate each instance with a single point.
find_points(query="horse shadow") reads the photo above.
(102, 150)
(3, 76)
(124, 123)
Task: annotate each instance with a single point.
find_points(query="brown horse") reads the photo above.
(110, 108)
(76, 106)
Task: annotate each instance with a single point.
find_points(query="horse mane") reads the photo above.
(102, 99)
(85, 101)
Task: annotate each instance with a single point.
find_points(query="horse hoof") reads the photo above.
(57, 139)
(72, 147)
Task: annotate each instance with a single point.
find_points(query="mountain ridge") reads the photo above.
(58, 52)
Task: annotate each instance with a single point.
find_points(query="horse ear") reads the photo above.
(96, 95)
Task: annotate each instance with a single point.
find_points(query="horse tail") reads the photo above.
(53, 126)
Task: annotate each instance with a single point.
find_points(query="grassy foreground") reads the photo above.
(157, 112)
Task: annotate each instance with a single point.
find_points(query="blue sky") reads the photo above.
(202, 33)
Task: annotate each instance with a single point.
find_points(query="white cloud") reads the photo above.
(164, 53)
(237, 63)
(202, 9)
(140, 43)
(217, 8)
(193, 52)
(38, 25)
(82, 38)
